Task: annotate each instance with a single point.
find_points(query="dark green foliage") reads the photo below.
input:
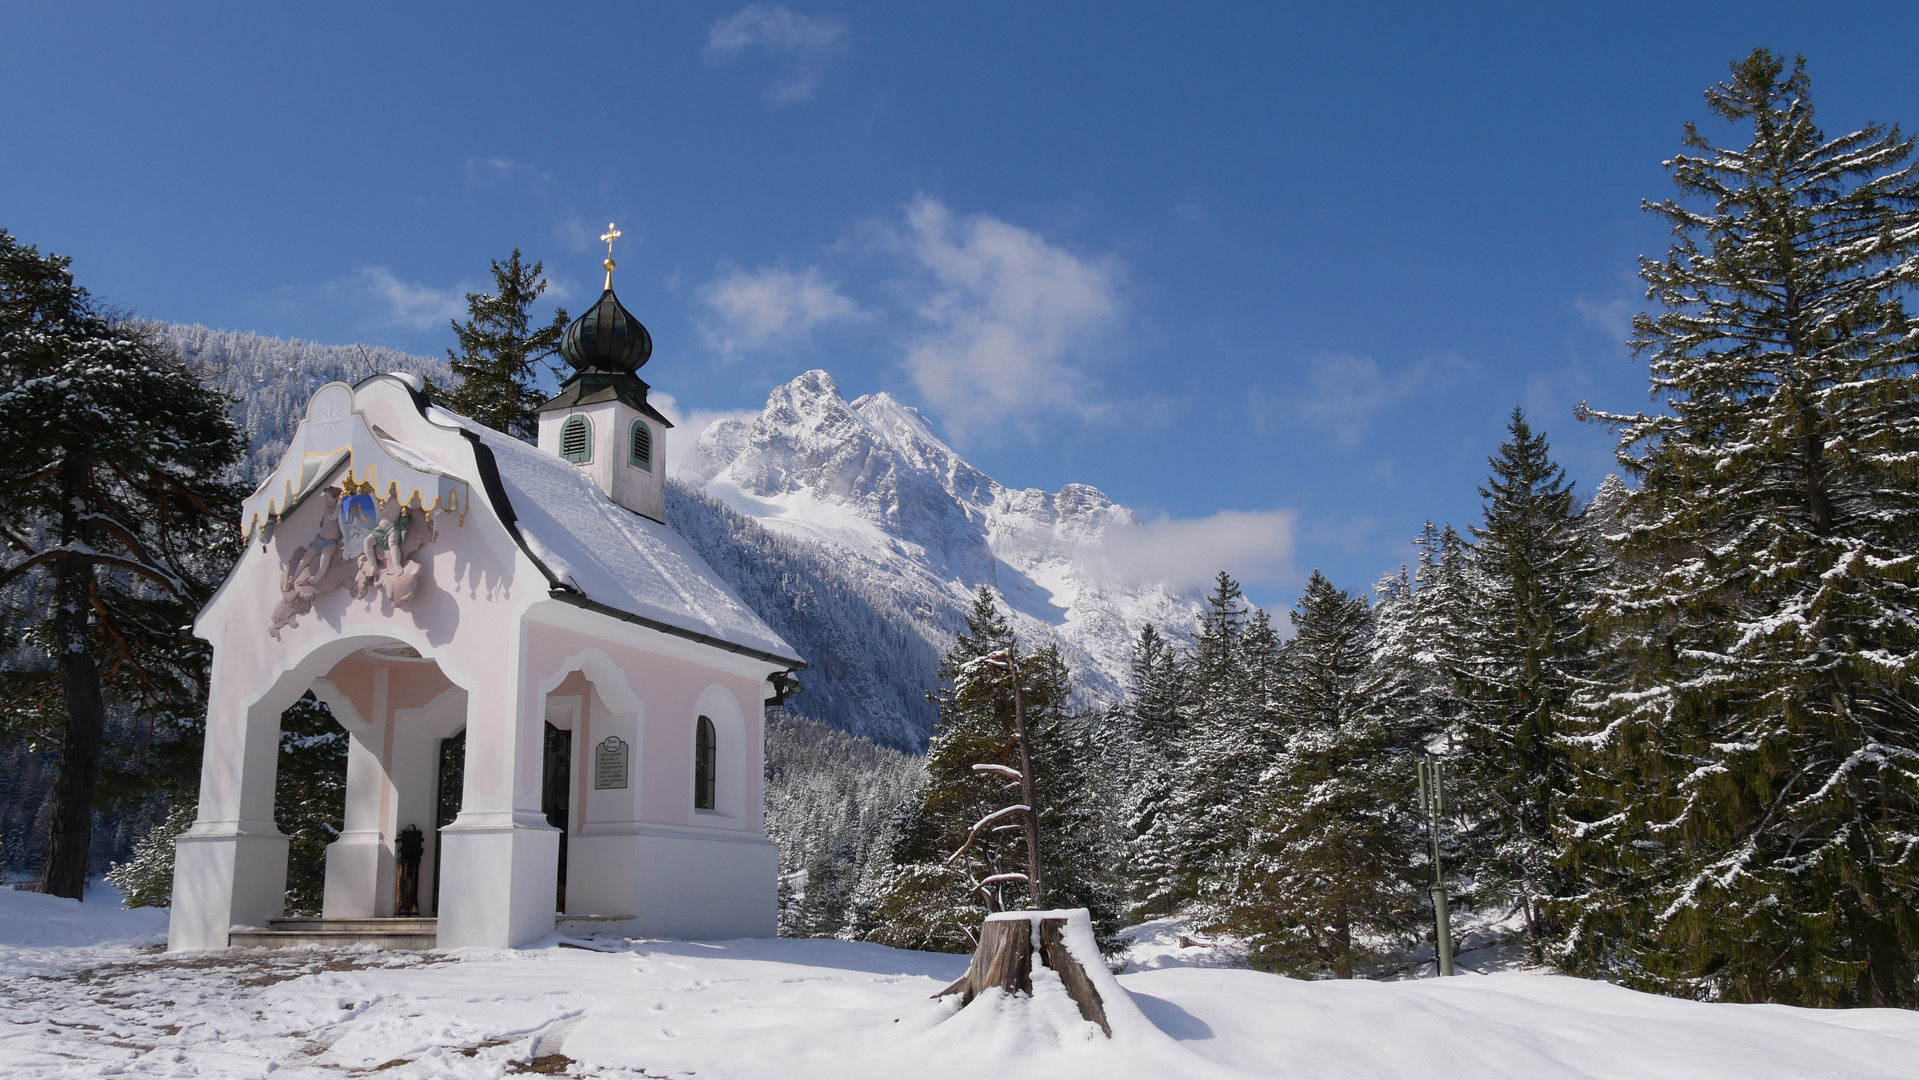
(1229, 739)
(1154, 715)
(1525, 645)
(499, 348)
(1319, 884)
(116, 507)
(1747, 774)
(934, 901)
(309, 797)
(145, 879)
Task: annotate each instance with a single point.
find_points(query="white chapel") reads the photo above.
(555, 705)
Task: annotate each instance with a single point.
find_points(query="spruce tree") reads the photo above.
(1156, 716)
(115, 501)
(1225, 747)
(499, 348)
(1747, 776)
(1422, 623)
(1525, 644)
(935, 900)
(1319, 884)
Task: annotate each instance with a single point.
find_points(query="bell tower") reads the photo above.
(600, 420)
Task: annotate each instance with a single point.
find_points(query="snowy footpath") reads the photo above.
(84, 991)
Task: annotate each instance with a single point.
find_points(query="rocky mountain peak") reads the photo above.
(873, 481)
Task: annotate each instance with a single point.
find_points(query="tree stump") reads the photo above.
(1004, 959)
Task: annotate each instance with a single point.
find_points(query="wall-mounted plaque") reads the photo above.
(609, 763)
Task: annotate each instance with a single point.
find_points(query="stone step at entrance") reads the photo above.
(409, 933)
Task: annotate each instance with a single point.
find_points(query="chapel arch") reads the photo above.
(398, 706)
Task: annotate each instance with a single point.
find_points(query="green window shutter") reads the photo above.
(576, 440)
(642, 456)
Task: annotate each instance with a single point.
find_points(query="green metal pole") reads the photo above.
(1432, 799)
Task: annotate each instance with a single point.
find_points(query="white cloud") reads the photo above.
(682, 439)
(754, 309)
(1006, 315)
(809, 45)
(1255, 546)
(392, 302)
(1346, 393)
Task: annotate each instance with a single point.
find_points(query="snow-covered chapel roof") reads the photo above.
(610, 559)
(594, 553)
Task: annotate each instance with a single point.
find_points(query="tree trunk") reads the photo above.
(70, 810)
(1053, 950)
(1004, 959)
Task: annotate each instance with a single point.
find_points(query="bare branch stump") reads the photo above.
(1004, 959)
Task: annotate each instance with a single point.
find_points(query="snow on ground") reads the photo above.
(83, 992)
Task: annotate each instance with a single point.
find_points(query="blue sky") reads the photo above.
(1291, 263)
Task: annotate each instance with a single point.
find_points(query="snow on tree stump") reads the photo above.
(1004, 958)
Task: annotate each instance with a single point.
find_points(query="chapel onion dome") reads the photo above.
(607, 337)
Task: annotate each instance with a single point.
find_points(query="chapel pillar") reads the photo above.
(499, 858)
(359, 864)
(230, 868)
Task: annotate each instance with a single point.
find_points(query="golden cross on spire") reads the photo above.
(611, 234)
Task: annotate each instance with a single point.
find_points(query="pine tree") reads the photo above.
(931, 901)
(935, 900)
(1320, 883)
(499, 348)
(1077, 827)
(309, 797)
(1747, 780)
(1226, 744)
(1155, 715)
(113, 493)
(1525, 645)
(1421, 626)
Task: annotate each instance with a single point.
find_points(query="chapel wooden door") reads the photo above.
(554, 784)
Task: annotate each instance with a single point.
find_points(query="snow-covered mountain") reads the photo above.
(868, 482)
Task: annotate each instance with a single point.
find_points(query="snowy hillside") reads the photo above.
(84, 997)
(273, 377)
(869, 482)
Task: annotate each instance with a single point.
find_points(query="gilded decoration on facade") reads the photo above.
(366, 542)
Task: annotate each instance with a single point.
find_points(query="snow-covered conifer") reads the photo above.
(1524, 645)
(1747, 778)
(500, 348)
(1225, 746)
(1155, 712)
(961, 851)
(115, 493)
(1320, 882)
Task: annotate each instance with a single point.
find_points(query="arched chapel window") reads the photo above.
(576, 440)
(642, 446)
(706, 765)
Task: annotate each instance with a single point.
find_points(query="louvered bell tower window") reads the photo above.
(576, 440)
(642, 446)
